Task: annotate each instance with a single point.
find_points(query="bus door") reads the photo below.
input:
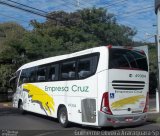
(20, 92)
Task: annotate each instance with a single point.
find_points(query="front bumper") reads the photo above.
(105, 120)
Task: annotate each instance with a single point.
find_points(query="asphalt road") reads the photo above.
(13, 122)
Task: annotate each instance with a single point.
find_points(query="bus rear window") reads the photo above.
(127, 59)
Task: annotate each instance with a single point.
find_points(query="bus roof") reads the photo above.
(55, 58)
(66, 56)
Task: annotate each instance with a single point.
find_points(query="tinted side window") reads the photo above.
(32, 74)
(53, 72)
(27, 75)
(68, 70)
(41, 74)
(23, 77)
(87, 67)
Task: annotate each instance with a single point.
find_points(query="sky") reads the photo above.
(137, 14)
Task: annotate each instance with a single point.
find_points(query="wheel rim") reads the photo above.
(63, 117)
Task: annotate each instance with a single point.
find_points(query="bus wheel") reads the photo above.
(63, 117)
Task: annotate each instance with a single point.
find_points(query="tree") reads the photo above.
(66, 33)
(11, 50)
(11, 45)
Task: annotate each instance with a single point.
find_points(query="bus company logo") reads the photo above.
(130, 75)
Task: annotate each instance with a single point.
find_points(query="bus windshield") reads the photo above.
(127, 59)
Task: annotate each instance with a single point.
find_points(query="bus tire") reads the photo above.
(63, 117)
(20, 107)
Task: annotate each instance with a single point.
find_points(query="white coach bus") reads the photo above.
(102, 86)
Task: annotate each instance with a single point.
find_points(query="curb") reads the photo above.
(4, 105)
(153, 117)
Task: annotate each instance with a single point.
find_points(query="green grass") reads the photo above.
(154, 117)
(158, 120)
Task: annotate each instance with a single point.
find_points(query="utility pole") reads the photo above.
(157, 11)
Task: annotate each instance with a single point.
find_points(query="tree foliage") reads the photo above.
(65, 33)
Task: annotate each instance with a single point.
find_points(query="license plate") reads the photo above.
(129, 119)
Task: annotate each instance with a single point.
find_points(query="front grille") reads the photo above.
(128, 85)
